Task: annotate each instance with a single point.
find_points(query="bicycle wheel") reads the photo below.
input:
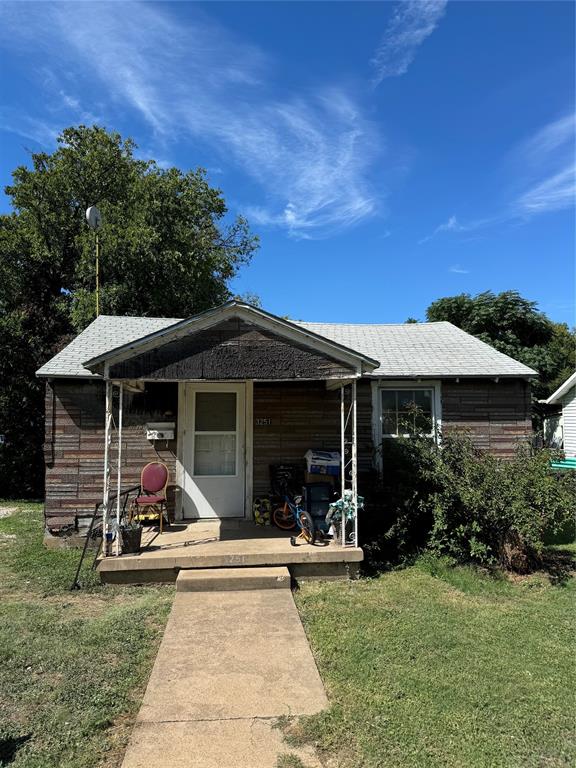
(307, 526)
(283, 518)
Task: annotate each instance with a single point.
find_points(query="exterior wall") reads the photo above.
(495, 414)
(569, 422)
(303, 415)
(74, 446)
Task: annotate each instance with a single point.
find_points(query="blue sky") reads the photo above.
(386, 153)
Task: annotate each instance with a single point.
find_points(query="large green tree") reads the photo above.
(514, 325)
(168, 248)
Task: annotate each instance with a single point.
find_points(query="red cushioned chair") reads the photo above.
(151, 499)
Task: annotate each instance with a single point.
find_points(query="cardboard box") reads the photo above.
(313, 477)
(323, 462)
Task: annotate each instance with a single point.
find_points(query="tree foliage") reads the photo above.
(168, 248)
(515, 326)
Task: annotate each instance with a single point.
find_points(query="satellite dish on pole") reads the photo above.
(93, 217)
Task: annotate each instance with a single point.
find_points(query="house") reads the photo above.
(560, 427)
(235, 389)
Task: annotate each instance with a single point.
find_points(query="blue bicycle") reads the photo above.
(291, 516)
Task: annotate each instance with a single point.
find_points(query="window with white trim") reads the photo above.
(407, 411)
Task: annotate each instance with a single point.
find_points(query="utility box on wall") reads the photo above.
(160, 430)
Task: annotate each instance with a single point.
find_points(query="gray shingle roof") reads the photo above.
(414, 350)
(420, 350)
(105, 333)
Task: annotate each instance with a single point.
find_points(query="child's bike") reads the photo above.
(291, 516)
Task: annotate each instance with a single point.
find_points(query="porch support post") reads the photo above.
(119, 471)
(342, 459)
(107, 441)
(354, 463)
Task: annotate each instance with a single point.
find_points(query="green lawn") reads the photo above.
(429, 666)
(73, 665)
(437, 666)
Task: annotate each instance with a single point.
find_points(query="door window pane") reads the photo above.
(214, 454)
(215, 411)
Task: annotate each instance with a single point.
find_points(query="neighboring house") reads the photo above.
(243, 389)
(560, 429)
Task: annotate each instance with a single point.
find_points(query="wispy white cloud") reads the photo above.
(411, 23)
(458, 270)
(312, 155)
(544, 171)
(552, 194)
(452, 225)
(546, 168)
(30, 127)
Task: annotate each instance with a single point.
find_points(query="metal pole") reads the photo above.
(343, 461)
(106, 493)
(119, 472)
(354, 463)
(97, 274)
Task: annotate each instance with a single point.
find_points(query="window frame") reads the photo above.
(407, 385)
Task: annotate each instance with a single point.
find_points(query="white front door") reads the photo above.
(213, 451)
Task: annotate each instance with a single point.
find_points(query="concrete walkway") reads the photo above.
(233, 658)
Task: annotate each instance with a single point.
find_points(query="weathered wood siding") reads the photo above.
(74, 446)
(496, 415)
(302, 415)
(230, 350)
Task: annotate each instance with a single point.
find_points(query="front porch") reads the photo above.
(238, 392)
(224, 543)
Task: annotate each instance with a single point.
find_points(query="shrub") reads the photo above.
(489, 510)
(465, 504)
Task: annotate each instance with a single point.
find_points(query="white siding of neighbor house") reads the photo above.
(569, 418)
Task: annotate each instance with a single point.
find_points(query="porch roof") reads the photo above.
(419, 350)
(276, 327)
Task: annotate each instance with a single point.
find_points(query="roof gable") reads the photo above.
(562, 390)
(232, 350)
(233, 310)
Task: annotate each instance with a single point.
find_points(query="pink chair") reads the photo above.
(151, 499)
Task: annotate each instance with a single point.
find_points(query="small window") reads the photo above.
(407, 412)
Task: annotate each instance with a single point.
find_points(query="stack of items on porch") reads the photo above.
(317, 481)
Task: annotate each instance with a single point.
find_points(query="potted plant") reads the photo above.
(131, 537)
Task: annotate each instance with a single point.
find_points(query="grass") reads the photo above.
(441, 666)
(426, 667)
(73, 665)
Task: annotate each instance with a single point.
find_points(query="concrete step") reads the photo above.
(232, 579)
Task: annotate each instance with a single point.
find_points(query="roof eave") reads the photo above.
(432, 375)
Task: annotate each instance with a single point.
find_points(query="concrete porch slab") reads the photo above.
(223, 544)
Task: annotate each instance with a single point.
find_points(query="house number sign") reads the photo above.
(263, 422)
